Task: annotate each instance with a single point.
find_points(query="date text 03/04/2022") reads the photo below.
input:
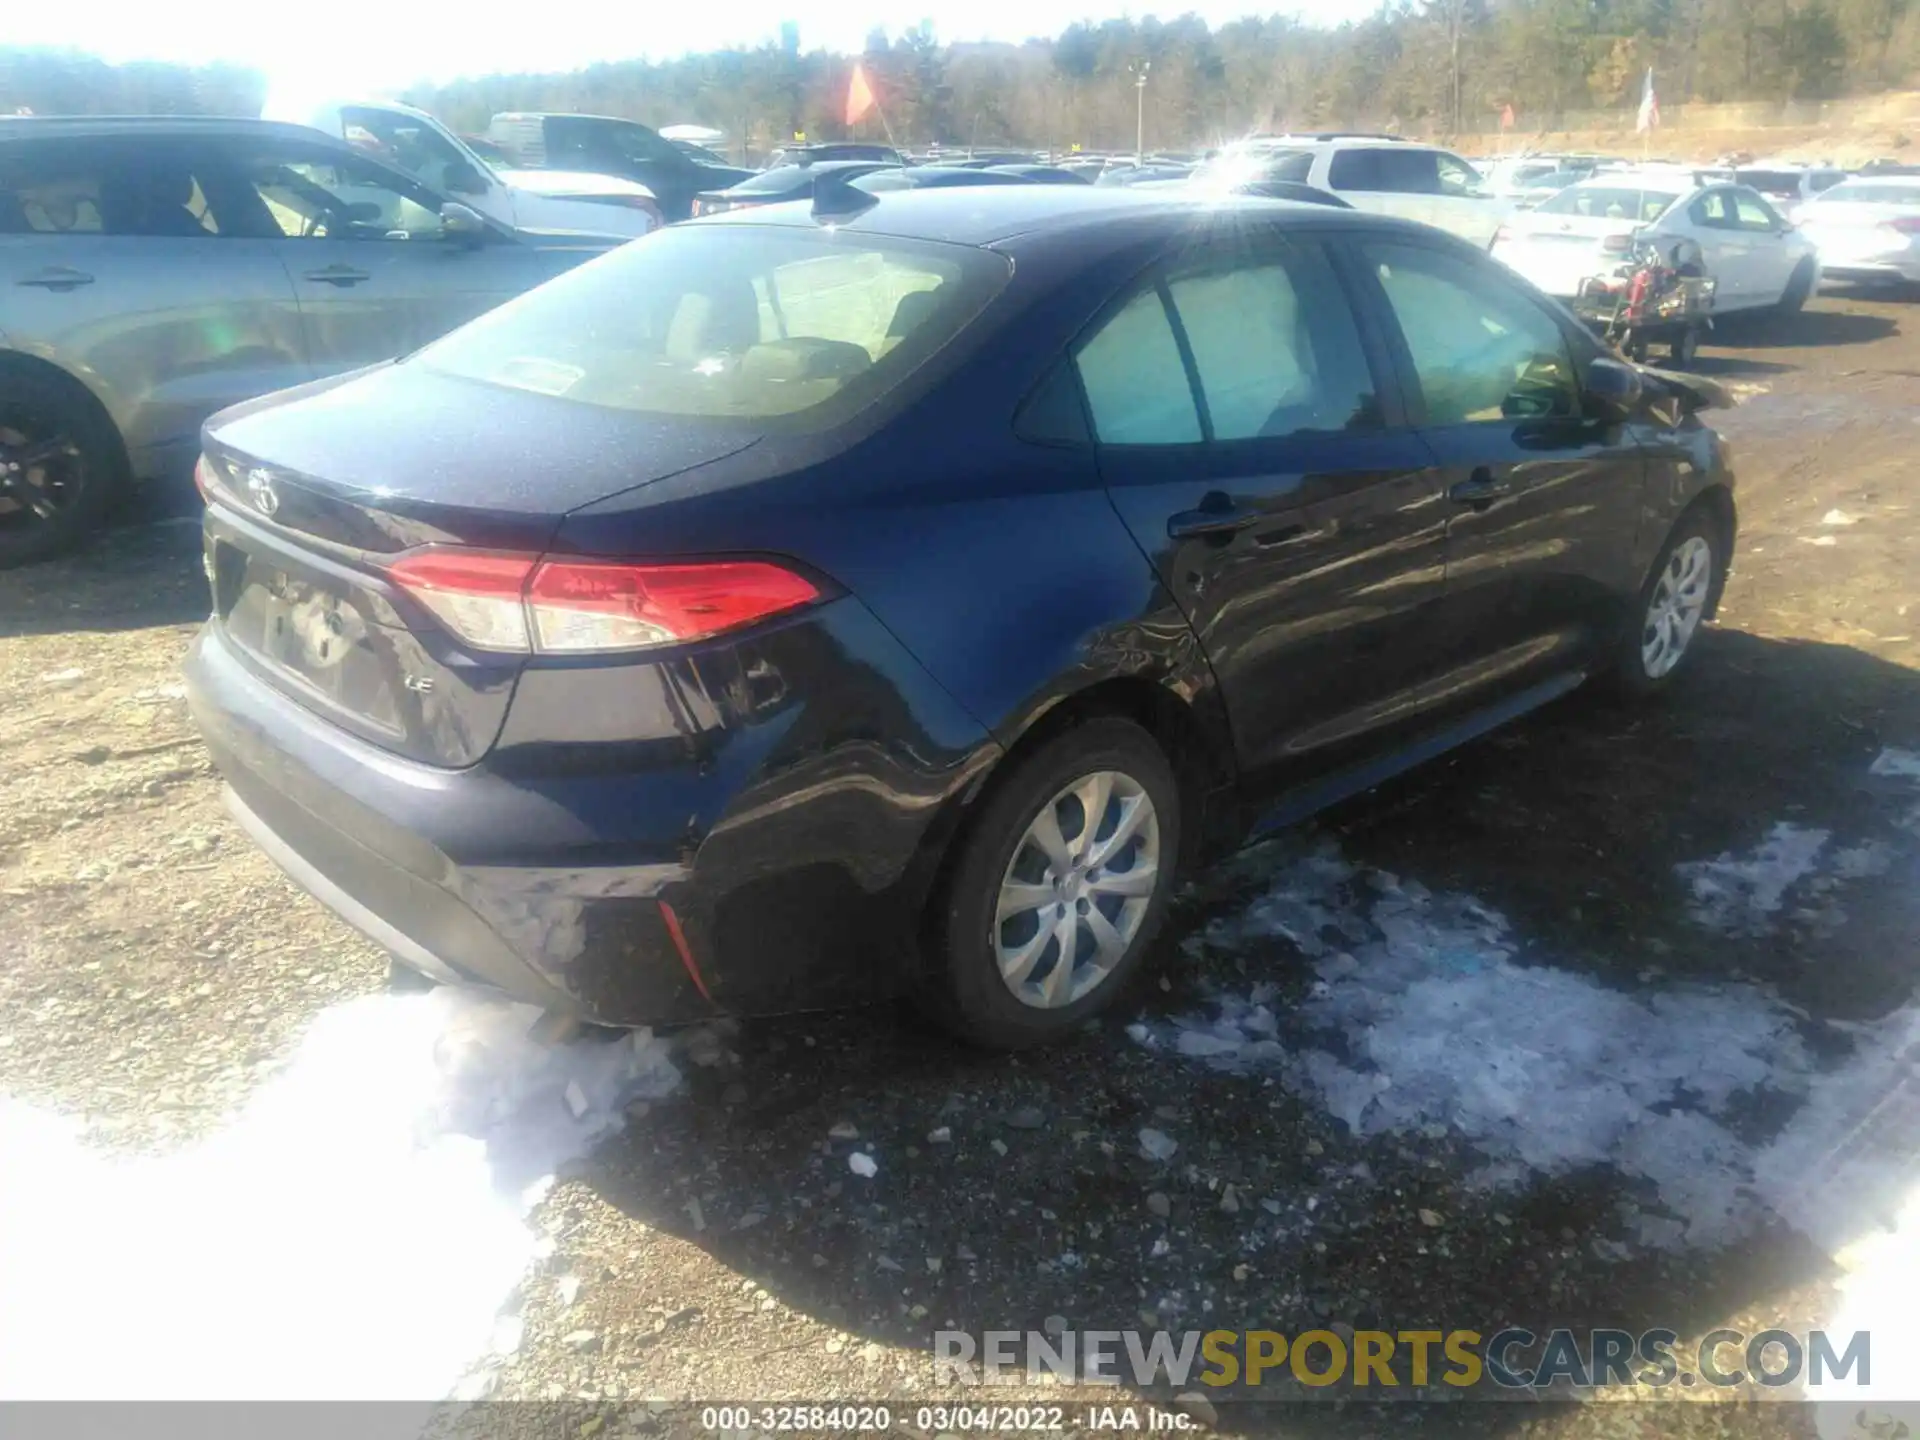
(949, 1419)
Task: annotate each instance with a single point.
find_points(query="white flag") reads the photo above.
(1649, 106)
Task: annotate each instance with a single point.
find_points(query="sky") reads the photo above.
(373, 46)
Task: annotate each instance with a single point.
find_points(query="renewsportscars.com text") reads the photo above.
(1384, 1360)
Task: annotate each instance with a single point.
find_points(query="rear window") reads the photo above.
(753, 322)
(1404, 171)
(1608, 202)
(1865, 192)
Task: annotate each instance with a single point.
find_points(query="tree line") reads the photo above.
(1434, 67)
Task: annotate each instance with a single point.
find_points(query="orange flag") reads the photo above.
(859, 96)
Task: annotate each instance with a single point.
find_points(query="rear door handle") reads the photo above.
(1480, 489)
(1209, 521)
(59, 277)
(342, 275)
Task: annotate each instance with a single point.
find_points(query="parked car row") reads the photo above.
(298, 250)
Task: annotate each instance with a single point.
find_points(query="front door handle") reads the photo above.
(61, 278)
(1480, 489)
(1210, 520)
(341, 275)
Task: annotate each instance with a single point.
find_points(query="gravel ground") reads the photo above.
(156, 972)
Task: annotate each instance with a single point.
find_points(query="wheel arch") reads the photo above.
(1715, 502)
(1198, 752)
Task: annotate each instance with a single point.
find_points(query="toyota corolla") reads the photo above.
(894, 595)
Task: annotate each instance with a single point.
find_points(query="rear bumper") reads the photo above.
(790, 820)
(367, 834)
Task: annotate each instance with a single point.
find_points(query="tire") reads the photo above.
(1685, 348)
(1639, 669)
(61, 466)
(964, 989)
(1794, 299)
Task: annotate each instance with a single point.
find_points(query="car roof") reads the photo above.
(1667, 179)
(1895, 178)
(570, 115)
(28, 127)
(985, 215)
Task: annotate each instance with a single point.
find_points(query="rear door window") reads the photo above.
(1135, 381)
(1274, 346)
(1404, 171)
(155, 188)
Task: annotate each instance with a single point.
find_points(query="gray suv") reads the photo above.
(153, 271)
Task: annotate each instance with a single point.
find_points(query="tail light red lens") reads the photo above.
(1617, 244)
(1505, 232)
(576, 607)
(1905, 224)
(204, 479)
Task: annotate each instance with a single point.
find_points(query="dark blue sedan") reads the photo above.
(894, 595)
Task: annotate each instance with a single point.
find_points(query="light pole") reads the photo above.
(1139, 71)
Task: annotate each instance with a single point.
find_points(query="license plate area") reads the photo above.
(313, 633)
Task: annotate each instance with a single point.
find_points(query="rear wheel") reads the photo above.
(60, 467)
(1058, 889)
(1794, 299)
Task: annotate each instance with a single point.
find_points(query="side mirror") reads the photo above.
(1612, 389)
(460, 178)
(464, 224)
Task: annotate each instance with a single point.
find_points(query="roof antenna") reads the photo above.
(835, 197)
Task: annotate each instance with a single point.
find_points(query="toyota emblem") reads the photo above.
(260, 489)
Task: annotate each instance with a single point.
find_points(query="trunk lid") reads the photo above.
(1557, 252)
(316, 490)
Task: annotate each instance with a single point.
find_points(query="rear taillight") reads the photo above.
(204, 478)
(575, 607)
(1504, 233)
(1617, 244)
(1905, 224)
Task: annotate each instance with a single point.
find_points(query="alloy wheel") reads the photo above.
(40, 474)
(1673, 612)
(1077, 890)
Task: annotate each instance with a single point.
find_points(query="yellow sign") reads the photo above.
(800, 136)
(1076, 147)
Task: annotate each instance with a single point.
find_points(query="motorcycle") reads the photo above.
(1659, 294)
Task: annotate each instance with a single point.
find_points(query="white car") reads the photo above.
(1389, 177)
(1867, 229)
(1787, 184)
(1756, 259)
(536, 200)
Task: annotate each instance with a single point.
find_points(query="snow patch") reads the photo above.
(1419, 1019)
(1741, 895)
(352, 1234)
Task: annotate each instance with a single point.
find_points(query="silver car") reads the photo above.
(1868, 229)
(153, 271)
